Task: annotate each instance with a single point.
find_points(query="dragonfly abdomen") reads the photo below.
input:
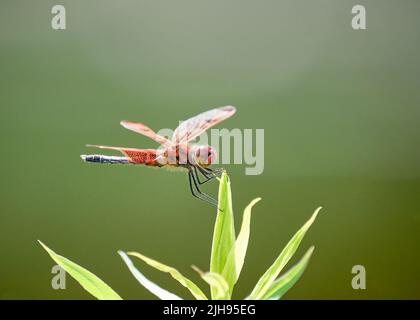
(99, 158)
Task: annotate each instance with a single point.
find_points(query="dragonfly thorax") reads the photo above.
(203, 155)
(187, 155)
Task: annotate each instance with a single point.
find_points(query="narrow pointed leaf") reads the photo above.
(288, 280)
(216, 281)
(223, 235)
(149, 285)
(238, 252)
(191, 286)
(85, 278)
(265, 282)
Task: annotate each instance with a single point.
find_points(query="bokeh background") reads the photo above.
(340, 109)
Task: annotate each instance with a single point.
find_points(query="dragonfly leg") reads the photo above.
(206, 175)
(196, 192)
(202, 194)
(214, 172)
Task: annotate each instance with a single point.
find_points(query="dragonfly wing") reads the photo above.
(193, 127)
(135, 155)
(146, 131)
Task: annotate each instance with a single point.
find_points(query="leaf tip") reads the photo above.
(44, 246)
(198, 270)
(315, 214)
(124, 256)
(255, 201)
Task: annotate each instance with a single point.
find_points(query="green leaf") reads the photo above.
(238, 252)
(216, 281)
(288, 280)
(191, 286)
(149, 285)
(265, 282)
(223, 235)
(86, 279)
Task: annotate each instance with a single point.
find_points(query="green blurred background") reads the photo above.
(340, 109)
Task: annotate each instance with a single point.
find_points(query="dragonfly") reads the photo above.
(176, 152)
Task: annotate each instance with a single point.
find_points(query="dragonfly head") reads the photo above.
(204, 155)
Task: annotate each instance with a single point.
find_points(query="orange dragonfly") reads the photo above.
(175, 152)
